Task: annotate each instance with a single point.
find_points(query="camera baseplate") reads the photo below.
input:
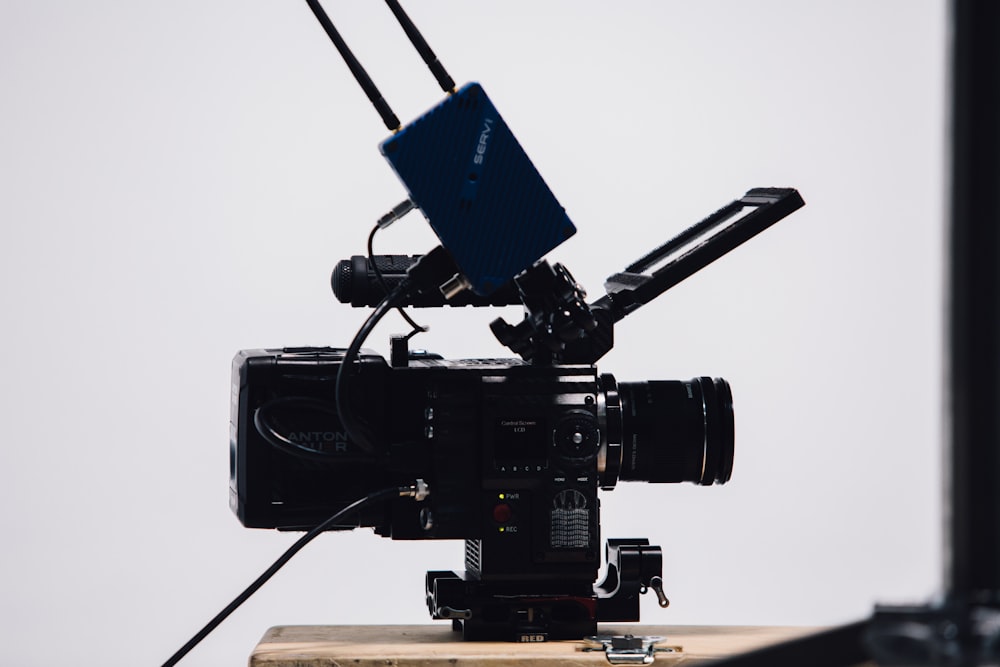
(502, 611)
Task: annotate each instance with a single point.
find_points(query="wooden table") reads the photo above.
(438, 646)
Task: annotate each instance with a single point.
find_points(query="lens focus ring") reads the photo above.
(674, 431)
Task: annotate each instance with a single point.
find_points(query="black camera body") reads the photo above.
(515, 455)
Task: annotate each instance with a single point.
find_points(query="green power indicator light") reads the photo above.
(501, 529)
(502, 496)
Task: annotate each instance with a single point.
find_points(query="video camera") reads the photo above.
(506, 454)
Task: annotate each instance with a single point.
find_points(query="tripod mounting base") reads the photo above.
(534, 611)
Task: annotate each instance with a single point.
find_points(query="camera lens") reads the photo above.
(675, 431)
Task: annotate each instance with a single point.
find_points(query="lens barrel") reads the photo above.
(677, 431)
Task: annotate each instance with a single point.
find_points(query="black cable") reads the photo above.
(360, 75)
(423, 48)
(384, 494)
(385, 288)
(428, 272)
(358, 432)
(270, 433)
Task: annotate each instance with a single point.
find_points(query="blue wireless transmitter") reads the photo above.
(489, 206)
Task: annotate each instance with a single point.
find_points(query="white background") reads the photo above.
(177, 180)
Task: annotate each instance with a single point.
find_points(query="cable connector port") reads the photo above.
(397, 212)
(418, 491)
(434, 270)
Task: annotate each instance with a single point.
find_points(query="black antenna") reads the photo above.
(367, 85)
(437, 69)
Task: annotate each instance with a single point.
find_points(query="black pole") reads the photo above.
(973, 556)
(964, 631)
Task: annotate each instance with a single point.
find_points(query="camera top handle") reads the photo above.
(559, 328)
(696, 247)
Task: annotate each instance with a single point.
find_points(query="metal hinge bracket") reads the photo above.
(628, 649)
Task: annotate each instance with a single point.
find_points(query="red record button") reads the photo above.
(502, 513)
